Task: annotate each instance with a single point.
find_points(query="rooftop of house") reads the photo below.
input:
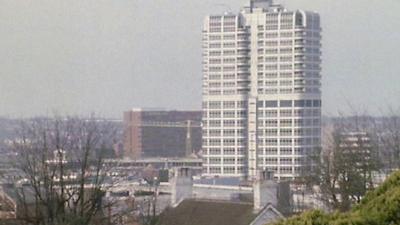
(210, 212)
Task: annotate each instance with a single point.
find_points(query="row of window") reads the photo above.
(269, 104)
(289, 132)
(225, 142)
(267, 113)
(287, 74)
(241, 169)
(226, 160)
(284, 66)
(268, 91)
(219, 30)
(261, 141)
(288, 141)
(288, 113)
(226, 114)
(262, 151)
(280, 151)
(228, 92)
(226, 170)
(225, 52)
(225, 104)
(225, 123)
(225, 151)
(289, 103)
(289, 123)
(267, 161)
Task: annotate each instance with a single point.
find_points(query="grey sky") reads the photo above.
(107, 56)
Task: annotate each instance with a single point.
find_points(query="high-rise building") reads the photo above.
(160, 133)
(261, 90)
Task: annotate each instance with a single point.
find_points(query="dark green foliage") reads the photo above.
(379, 207)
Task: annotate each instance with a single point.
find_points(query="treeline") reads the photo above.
(378, 207)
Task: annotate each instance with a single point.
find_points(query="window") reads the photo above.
(285, 103)
(229, 151)
(215, 123)
(271, 161)
(215, 151)
(215, 170)
(299, 103)
(286, 170)
(215, 160)
(241, 123)
(286, 161)
(229, 104)
(286, 113)
(286, 142)
(272, 83)
(229, 170)
(271, 123)
(317, 103)
(229, 123)
(271, 132)
(286, 132)
(215, 114)
(229, 133)
(271, 151)
(229, 160)
(215, 133)
(286, 151)
(298, 151)
(271, 141)
(215, 37)
(271, 113)
(215, 53)
(229, 37)
(241, 113)
(229, 52)
(215, 45)
(229, 76)
(242, 104)
(215, 142)
(286, 123)
(229, 114)
(271, 104)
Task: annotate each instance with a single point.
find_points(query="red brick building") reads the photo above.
(158, 133)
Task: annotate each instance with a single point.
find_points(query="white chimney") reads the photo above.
(181, 185)
(265, 190)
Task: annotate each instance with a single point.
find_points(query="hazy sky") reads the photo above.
(107, 56)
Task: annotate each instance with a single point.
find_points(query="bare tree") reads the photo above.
(62, 170)
(390, 138)
(343, 169)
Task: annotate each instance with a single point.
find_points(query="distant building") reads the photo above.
(358, 146)
(160, 133)
(261, 90)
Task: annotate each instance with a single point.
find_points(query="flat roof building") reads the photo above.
(161, 133)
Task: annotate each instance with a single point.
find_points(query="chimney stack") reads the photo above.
(181, 185)
(265, 190)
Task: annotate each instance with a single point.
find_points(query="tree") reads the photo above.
(62, 169)
(380, 206)
(343, 169)
(390, 138)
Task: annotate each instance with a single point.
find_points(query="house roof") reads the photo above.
(268, 215)
(208, 212)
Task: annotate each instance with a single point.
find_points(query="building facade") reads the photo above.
(261, 90)
(160, 133)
